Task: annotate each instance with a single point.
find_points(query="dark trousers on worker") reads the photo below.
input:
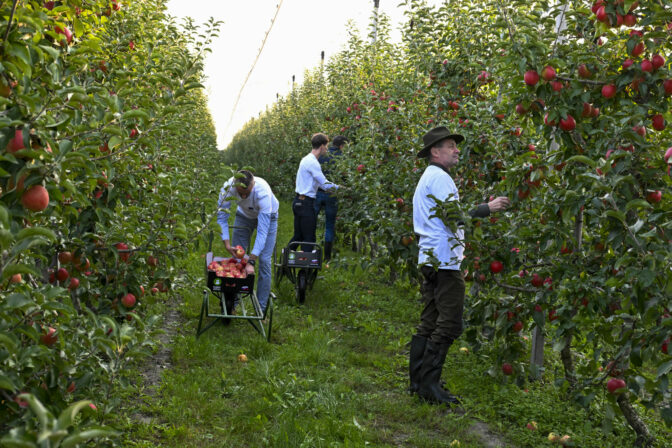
(443, 299)
(440, 325)
(305, 221)
(330, 205)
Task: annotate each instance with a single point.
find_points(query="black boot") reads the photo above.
(415, 361)
(327, 250)
(430, 372)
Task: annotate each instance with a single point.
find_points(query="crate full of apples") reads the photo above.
(228, 267)
(228, 274)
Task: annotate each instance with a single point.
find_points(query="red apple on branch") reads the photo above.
(496, 267)
(35, 198)
(65, 32)
(658, 122)
(49, 337)
(584, 72)
(62, 274)
(548, 73)
(608, 91)
(124, 254)
(667, 87)
(128, 300)
(658, 61)
(568, 124)
(507, 368)
(654, 197)
(616, 385)
(531, 77)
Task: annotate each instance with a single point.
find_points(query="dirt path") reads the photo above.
(489, 438)
(155, 364)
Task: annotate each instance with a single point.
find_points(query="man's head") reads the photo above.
(339, 141)
(319, 143)
(244, 182)
(318, 140)
(445, 153)
(441, 146)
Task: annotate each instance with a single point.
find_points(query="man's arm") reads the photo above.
(263, 224)
(496, 205)
(317, 173)
(223, 207)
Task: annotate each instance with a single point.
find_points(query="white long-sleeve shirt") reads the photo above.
(309, 177)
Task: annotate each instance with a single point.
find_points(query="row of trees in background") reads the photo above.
(565, 109)
(103, 130)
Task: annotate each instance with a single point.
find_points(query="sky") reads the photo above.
(302, 30)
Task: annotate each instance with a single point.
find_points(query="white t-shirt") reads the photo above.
(434, 235)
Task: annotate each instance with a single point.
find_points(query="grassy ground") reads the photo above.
(335, 374)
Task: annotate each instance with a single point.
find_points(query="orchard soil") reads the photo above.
(335, 374)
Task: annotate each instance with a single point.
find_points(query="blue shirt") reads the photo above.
(434, 236)
(309, 177)
(327, 160)
(260, 204)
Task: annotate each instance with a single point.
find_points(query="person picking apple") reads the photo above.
(440, 256)
(326, 200)
(257, 208)
(309, 178)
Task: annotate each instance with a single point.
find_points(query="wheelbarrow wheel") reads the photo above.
(301, 285)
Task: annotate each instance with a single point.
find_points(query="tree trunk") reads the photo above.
(568, 362)
(644, 437)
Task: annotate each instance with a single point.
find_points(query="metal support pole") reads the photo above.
(537, 355)
(376, 4)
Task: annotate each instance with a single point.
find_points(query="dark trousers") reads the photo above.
(330, 205)
(305, 221)
(443, 297)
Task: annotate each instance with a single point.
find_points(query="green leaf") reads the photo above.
(19, 301)
(636, 204)
(65, 146)
(664, 368)
(38, 408)
(21, 52)
(54, 53)
(616, 214)
(36, 231)
(559, 344)
(136, 113)
(114, 142)
(18, 268)
(194, 85)
(9, 341)
(583, 159)
(4, 217)
(88, 434)
(68, 415)
(15, 443)
(7, 384)
(646, 277)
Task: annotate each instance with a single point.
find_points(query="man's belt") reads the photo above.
(303, 197)
(321, 190)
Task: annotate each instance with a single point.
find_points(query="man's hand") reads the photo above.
(499, 204)
(249, 269)
(228, 247)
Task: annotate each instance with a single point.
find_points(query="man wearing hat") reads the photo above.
(443, 286)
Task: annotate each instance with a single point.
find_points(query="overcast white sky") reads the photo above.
(301, 31)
